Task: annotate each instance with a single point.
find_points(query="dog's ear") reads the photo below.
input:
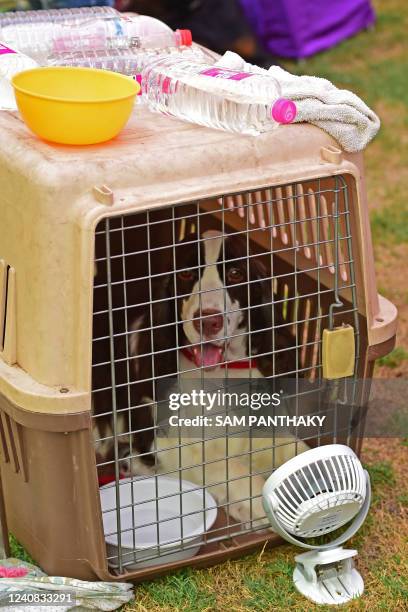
(260, 309)
(160, 325)
(164, 326)
(152, 345)
(268, 330)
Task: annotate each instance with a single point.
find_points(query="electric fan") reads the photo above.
(313, 494)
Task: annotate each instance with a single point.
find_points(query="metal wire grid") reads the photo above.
(129, 259)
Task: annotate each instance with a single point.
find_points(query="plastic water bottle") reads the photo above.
(127, 61)
(43, 39)
(146, 25)
(11, 62)
(212, 96)
(56, 15)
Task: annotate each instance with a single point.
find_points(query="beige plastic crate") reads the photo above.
(52, 201)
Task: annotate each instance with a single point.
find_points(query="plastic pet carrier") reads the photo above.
(170, 253)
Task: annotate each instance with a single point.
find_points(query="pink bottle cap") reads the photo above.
(186, 38)
(284, 111)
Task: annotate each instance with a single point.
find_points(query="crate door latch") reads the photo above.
(338, 352)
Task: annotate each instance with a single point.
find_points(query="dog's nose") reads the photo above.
(210, 321)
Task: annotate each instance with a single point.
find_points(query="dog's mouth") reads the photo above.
(207, 355)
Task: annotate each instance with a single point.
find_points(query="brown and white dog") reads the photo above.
(212, 311)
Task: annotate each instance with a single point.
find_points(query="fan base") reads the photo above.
(328, 577)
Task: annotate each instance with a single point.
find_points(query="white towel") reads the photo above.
(338, 112)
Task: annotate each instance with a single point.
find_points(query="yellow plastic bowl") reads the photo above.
(77, 106)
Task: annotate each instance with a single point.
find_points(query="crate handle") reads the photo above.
(104, 195)
(331, 154)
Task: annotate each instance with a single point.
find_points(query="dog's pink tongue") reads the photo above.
(208, 355)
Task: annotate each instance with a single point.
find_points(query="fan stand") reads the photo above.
(329, 576)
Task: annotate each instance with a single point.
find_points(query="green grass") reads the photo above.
(403, 499)
(18, 552)
(274, 593)
(390, 225)
(395, 583)
(180, 592)
(381, 474)
(394, 359)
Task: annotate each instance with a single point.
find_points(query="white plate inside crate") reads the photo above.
(162, 520)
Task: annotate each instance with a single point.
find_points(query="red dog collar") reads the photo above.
(244, 364)
(107, 479)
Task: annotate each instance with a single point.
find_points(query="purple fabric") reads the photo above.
(299, 28)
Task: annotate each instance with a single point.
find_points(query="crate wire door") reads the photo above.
(300, 232)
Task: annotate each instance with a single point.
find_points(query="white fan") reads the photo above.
(313, 494)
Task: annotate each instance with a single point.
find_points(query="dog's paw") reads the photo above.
(134, 466)
(250, 514)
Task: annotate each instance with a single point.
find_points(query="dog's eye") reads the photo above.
(235, 275)
(186, 275)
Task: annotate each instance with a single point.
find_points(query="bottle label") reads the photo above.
(226, 73)
(4, 50)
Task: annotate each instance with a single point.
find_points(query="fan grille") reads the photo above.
(321, 496)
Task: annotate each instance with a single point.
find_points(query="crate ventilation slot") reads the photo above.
(7, 313)
(12, 448)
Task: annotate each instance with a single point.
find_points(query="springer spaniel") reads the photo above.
(214, 304)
